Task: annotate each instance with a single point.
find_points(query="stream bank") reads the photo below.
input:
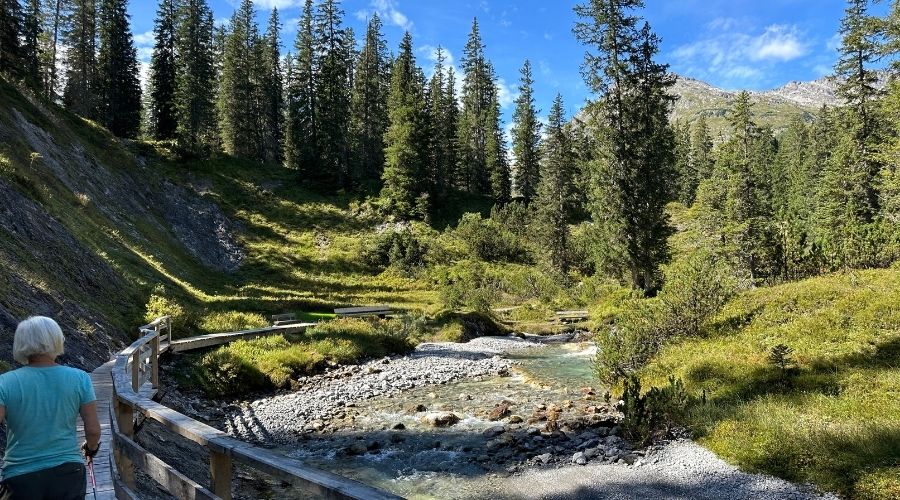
(484, 419)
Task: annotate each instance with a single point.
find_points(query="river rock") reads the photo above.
(515, 419)
(591, 453)
(578, 458)
(630, 458)
(499, 411)
(416, 408)
(356, 449)
(440, 419)
(398, 426)
(493, 431)
(544, 458)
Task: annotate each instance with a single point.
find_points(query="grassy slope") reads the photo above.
(837, 421)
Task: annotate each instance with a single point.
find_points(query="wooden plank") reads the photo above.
(344, 311)
(215, 339)
(168, 477)
(284, 317)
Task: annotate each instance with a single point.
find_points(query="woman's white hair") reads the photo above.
(37, 335)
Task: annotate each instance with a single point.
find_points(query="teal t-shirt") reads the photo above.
(42, 406)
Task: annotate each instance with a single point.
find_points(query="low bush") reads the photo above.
(231, 321)
(654, 412)
(488, 240)
(696, 288)
(401, 249)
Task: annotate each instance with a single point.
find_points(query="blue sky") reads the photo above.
(733, 44)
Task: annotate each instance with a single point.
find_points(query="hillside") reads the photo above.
(100, 233)
(832, 417)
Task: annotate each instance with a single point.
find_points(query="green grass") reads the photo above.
(272, 362)
(835, 421)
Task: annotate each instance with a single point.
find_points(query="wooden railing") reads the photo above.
(135, 382)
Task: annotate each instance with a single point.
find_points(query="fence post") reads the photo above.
(154, 361)
(220, 472)
(136, 371)
(125, 422)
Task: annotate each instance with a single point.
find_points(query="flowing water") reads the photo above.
(421, 461)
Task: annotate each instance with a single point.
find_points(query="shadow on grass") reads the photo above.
(834, 454)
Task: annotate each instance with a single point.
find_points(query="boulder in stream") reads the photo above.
(440, 419)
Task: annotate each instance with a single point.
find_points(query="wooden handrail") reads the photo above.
(135, 375)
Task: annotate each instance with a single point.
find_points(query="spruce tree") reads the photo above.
(32, 57)
(403, 194)
(302, 135)
(472, 133)
(195, 78)
(635, 158)
(496, 159)
(53, 24)
(554, 193)
(119, 86)
(440, 127)
(271, 96)
(371, 86)
(239, 91)
(526, 138)
(701, 150)
(163, 72)
(859, 50)
(333, 64)
(448, 143)
(10, 31)
(685, 180)
(80, 94)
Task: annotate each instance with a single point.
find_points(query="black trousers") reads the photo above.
(63, 482)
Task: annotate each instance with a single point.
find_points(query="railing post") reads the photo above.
(136, 371)
(154, 361)
(220, 473)
(125, 422)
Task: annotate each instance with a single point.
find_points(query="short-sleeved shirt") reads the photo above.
(42, 407)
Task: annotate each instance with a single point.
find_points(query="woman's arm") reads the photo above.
(91, 424)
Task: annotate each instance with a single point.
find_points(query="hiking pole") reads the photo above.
(93, 479)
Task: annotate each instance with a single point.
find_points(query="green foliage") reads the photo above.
(231, 321)
(160, 304)
(272, 362)
(646, 415)
(696, 289)
(526, 135)
(468, 284)
(835, 424)
(402, 249)
(118, 75)
(556, 191)
(780, 357)
(490, 240)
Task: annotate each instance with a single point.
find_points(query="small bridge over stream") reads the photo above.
(125, 389)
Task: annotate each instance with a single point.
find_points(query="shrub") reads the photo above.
(696, 289)
(401, 249)
(490, 241)
(231, 321)
(656, 411)
(468, 285)
(159, 304)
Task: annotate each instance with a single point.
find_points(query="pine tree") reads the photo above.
(403, 194)
(52, 31)
(684, 184)
(271, 96)
(635, 158)
(239, 86)
(10, 31)
(163, 73)
(472, 134)
(195, 77)
(119, 86)
(440, 127)
(371, 86)
(859, 50)
(701, 150)
(526, 138)
(554, 193)
(80, 94)
(448, 143)
(32, 57)
(333, 63)
(496, 159)
(301, 128)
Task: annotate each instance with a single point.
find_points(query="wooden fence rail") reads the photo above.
(135, 375)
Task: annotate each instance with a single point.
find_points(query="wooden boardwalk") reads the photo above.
(102, 379)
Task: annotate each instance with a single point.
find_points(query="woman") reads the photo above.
(40, 403)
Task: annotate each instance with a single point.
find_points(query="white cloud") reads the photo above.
(739, 58)
(388, 11)
(280, 4)
(778, 42)
(145, 39)
(505, 94)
